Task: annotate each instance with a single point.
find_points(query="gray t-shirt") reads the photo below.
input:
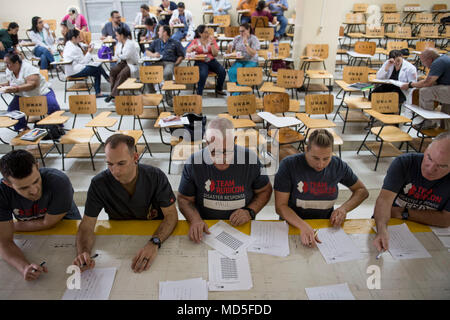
(153, 192)
(312, 193)
(238, 45)
(57, 198)
(441, 68)
(109, 30)
(219, 193)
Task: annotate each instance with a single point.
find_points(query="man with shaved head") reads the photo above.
(435, 87)
(416, 188)
(222, 181)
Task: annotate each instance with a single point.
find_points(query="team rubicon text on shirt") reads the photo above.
(223, 195)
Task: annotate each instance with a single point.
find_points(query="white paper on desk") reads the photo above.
(441, 231)
(96, 284)
(390, 81)
(226, 274)
(337, 246)
(227, 240)
(333, 292)
(190, 289)
(279, 122)
(404, 245)
(270, 238)
(182, 121)
(94, 64)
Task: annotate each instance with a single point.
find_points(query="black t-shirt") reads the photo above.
(404, 177)
(312, 193)
(153, 192)
(57, 198)
(218, 193)
(395, 73)
(172, 7)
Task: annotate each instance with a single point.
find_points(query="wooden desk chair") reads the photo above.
(389, 7)
(314, 53)
(364, 51)
(183, 76)
(287, 79)
(265, 34)
(248, 80)
(259, 22)
(80, 138)
(242, 111)
(353, 106)
(36, 107)
(81, 84)
(277, 103)
(181, 149)
(391, 19)
(223, 21)
(319, 104)
(360, 7)
(44, 73)
(383, 106)
(132, 106)
(284, 52)
(151, 75)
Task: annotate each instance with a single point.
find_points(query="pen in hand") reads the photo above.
(93, 257)
(41, 265)
(379, 254)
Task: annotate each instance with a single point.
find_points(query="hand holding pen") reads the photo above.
(33, 271)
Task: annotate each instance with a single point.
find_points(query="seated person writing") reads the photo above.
(416, 188)
(149, 34)
(306, 186)
(127, 190)
(37, 198)
(184, 17)
(215, 185)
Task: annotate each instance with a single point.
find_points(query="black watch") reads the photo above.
(156, 240)
(409, 85)
(251, 212)
(405, 214)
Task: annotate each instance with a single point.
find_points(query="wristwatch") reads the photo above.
(409, 85)
(156, 240)
(405, 214)
(251, 212)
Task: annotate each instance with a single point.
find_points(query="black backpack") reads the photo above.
(188, 132)
(54, 131)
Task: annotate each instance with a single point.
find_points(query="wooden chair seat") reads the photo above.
(238, 123)
(388, 118)
(254, 117)
(174, 140)
(102, 120)
(77, 136)
(212, 74)
(83, 150)
(149, 113)
(311, 59)
(232, 87)
(76, 78)
(358, 103)
(314, 123)
(6, 122)
(345, 86)
(286, 151)
(272, 88)
(286, 135)
(432, 132)
(391, 134)
(172, 86)
(152, 100)
(79, 87)
(136, 134)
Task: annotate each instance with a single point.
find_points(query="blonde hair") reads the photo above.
(321, 138)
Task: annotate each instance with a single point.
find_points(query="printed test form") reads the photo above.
(337, 246)
(96, 284)
(270, 237)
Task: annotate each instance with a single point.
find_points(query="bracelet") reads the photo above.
(410, 85)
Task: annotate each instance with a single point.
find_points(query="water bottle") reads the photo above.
(276, 48)
(57, 57)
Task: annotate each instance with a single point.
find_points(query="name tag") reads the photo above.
(315, 204)
(224, 205)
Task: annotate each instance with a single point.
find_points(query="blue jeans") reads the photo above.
(213, 66)
(246, 19)
(95, 72)
(52, 106)
(45, 56)
(283, 24)
(180, 34)
(232, 72)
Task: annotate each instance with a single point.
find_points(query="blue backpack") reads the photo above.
(105, 52)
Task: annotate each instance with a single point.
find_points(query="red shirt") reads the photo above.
(202, 50)
(263, 13)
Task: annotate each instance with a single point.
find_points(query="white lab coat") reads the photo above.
(138, 19)
(408, 73)
(37, 39)
(74, 53)
(225, 5)
(128, 53)
(191, 31)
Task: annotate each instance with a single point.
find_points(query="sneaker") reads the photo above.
(108, 99)
(221, 93)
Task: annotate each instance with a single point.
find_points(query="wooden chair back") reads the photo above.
(317, 50)
(249, 76)
(231, 32)
(151, 74)
(423, 17)
(365, 47)
(439, 6)
(289, 78)
(276, 103)
(284, 50)
(355, 18)
(360, 7)
(223, 20)
(393, 18)
(352, 74)
(266, 34)
(51, 23)
(83, 104)
(429, 31)
(389, 7)
(375, 32)
(187, 75)
(241, 105)
(422, 45)
(402, 31)
(385, 102)
(259, 22)
(33, 106)
(187, 104)
(129, 105)
(396, 45)
(319, 103)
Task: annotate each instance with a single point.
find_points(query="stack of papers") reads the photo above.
(191, 289)
(96, 284)
(361, 86)
(337, 246)
(444, 235)
(181, 122)
(270, 238)
(404, 245)
(227, 274)
(333, 292)
(390, 81)
(227, 240)
(16, 114)
(34, 134)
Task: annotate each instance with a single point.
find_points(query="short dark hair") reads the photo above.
(394, 54)
(124, 32)
(14, 57)
(72, 34)
(145, 7)
(113, 12)
(200, 29)
(17, 164)
(246, 25)
(12, 25)
(166, 29)
(116, 139)
(321, 138)
(261, 5)
(149, 22)
(181, 5)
